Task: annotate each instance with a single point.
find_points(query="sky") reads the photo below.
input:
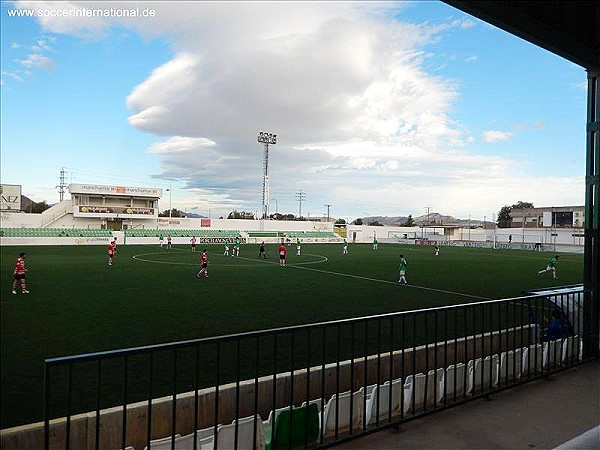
(380, 108)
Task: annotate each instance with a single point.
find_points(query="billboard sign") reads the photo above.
(11, 197)
(114, 190)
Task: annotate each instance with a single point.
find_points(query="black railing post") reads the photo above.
(174, 400)
(125, 396)
(150, 395)
(217, 393)
(196, 397)
(69, 399)
(98, 396)
(46, 405)
(256, 375)
(591, 264)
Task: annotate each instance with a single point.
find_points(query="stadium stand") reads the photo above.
(301, 426)
(291, 234)
(183, 233)
(54, 232)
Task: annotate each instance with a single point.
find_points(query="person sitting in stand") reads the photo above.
(557, 327)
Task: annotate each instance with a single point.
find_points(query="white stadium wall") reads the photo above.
(20, 220)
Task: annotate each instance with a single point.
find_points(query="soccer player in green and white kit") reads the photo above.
(402, 270)
(551, 267)
(236, 247)
(345, 247)
(375, 243)
(297, 246)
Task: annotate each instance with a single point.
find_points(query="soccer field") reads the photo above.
(79, 304)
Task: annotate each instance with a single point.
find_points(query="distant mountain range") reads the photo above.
(426, 219)
(193, 215)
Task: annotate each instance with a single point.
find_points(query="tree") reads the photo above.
(340, 222)
(375, 223)
(39, 207)
(240, 215)
(522, 205)
(358, 222)
(174, 213)
(504, 218)
(409, 222)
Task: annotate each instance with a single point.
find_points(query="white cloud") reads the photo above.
(361, 123)
(493, 136)
(14, 45)
(467, 23)
(72, 19)
(37, 60)
(43, 45)
(14, 75)
(180, 144)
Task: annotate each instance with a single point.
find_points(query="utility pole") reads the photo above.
(300, 197)
(427, 223)
(62, 185)
(327, 212)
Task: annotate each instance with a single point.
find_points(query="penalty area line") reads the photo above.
(391, 282)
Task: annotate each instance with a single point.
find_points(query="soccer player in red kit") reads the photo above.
(282, 252)
(19, 274)
(112, 248)
(204, 264)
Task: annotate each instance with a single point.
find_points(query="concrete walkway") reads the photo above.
(542, 414)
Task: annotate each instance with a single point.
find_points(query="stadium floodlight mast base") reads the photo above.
(266, 139)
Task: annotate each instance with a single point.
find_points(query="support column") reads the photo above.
(591, 279)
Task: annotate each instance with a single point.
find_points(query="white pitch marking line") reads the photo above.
(393, 282)
(297, 266)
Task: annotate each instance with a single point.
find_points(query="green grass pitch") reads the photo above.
(79, 304)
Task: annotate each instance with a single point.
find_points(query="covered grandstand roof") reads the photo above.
(568, 29)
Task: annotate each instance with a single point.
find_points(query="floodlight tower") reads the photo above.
(266, 139)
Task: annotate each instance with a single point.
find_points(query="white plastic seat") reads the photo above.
(454, 385)
(225, 436)
(162, 443)
(533, 359)
(571, 349)
(552, 353)
(483, 373)
(511, 363)
(381, 393)
(420, 382)
(344, 416)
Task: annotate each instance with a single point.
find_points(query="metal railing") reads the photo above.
(406, 364)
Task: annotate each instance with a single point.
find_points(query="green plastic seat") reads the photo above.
(293, 428)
